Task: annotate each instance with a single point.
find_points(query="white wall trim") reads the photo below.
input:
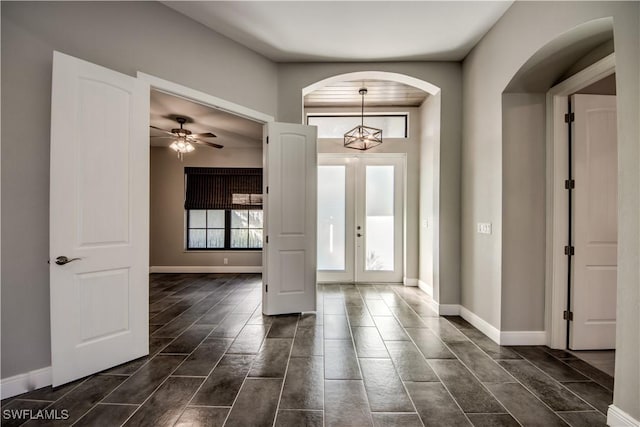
(616, 417)
(204, 98)
(374, 75)
(23, 383)
(427, 288)
(205, 269)
(485, 327)
(449, 309)
(409, 281)
(523, 338)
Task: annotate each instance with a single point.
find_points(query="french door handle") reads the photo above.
(62, 260)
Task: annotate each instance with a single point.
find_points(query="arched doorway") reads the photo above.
(420, 227)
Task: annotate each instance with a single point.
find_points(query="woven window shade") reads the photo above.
(213, 188)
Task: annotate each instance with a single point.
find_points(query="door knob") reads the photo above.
(62, 260)
(359, 235)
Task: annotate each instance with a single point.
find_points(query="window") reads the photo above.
(335, 126)
(224, 208)
(224, 229)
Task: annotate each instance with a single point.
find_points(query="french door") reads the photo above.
(360, 218)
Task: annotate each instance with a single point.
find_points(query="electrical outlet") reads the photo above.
(225, 261)
(484, 228)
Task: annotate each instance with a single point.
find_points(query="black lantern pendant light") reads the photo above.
(363, 137)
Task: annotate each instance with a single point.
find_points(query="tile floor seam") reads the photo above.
(353, 343)
(155, 390)
(558, 382)
(436, 374)
(404, 385)
(286, 370)
(241, 287)
(466, 367)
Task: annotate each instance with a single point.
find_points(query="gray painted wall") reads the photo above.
(524, 29)
(123, 36)
(523, 211)
(167, 218)
(293, 77)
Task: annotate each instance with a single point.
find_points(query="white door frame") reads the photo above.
(403, 158)
(556, 199)
(203, 98)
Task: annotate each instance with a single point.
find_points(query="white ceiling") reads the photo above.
(232, 131)
(291, 31)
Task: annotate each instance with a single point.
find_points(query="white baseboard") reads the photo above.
(409, 282)
(449, 309)
(616, 417)
(428, 289)
(485, 327)
(23, 383)
(205, 269)
(503, 337)
(523, 338)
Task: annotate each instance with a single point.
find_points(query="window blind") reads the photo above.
(223, 188)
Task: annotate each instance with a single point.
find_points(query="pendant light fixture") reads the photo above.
(363, 137)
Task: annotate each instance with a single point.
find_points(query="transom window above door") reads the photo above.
(335, 125)
(223, 208)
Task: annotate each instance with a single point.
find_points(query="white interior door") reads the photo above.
(360, 218)
(595, 222)
(98, 218)
(289, 252)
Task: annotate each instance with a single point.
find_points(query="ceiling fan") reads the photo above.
(183, 138)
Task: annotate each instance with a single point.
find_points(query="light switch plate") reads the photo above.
(484, 228)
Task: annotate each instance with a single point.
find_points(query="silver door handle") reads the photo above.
(62, 260)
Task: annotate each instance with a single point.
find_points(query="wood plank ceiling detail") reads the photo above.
(381, 93)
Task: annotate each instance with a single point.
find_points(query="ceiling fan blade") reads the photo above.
(162, 130)
(153, 136)
(210, 144)
(204, 135)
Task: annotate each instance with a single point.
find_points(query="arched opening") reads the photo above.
(419, 150)
(539, 200)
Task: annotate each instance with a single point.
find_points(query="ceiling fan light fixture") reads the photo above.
(181, 146)
(363, 137)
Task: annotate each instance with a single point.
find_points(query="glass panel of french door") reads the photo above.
(379, 220)
(360, 202)
(335, 220)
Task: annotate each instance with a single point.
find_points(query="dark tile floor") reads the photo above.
(371, 356)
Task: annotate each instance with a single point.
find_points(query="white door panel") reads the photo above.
(289, 272)
(336, 210)
(595, 222)
(99, 214)
(372, 234)
(379, 214)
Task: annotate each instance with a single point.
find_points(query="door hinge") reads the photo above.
(569, 117)
(266, 288)
(569, 250)
(267, 189)
(567, 315)
(267, 239)
(267, 140)
(569, 184)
